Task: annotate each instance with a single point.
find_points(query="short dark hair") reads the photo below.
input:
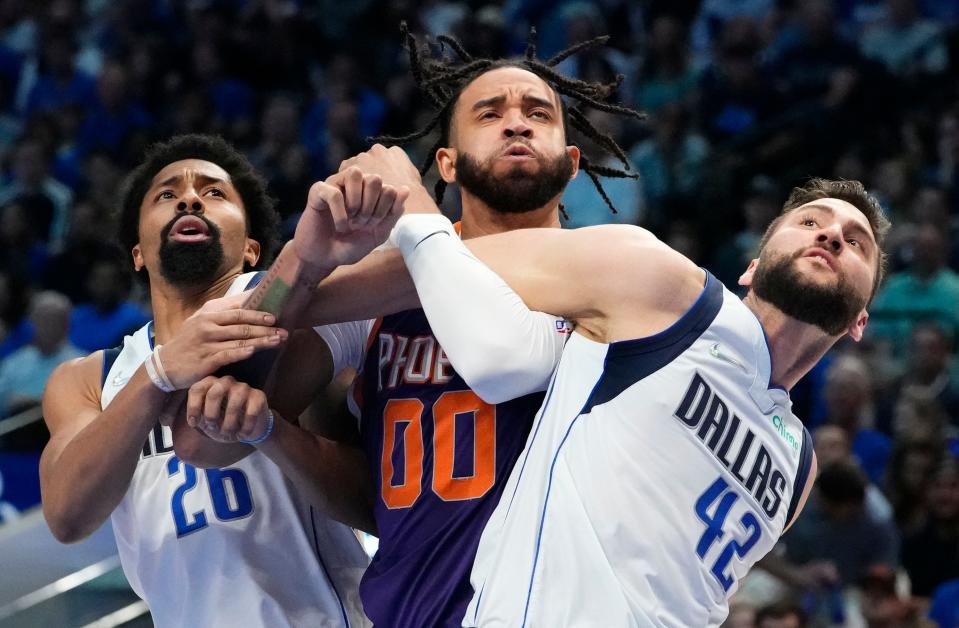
(852, 192)
(842, 482)
(781, 610)
(262, 219)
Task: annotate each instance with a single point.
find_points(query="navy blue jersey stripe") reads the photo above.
(629, 361)
(109, 357)
(255, 280)
(802, 474)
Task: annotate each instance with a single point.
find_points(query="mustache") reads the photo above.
(165, 232)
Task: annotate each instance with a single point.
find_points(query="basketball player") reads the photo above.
(438, 454)
(207, 547)
(665, 460)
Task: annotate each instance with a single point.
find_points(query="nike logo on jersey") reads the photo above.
(714, 351)
(119, 379)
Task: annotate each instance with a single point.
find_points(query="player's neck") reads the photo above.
(172, 305)
(794, 347)
(479, 220)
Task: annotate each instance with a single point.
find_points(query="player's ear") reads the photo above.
(251, 252)
(137, 253)
(574, 153)
(856, 329)
(446, 163)
(746, 279)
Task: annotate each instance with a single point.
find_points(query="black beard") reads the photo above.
(516, 192)
(190, 263)
(830, 308)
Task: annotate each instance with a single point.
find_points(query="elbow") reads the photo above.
(64, 527)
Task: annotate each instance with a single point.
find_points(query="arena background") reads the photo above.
(746, 98)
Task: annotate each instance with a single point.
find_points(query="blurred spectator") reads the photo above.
(713, 16)
(114, 120)
(811, 58)
(671, 163)
(8, 512)
(849, 405)
(666, 76)
(13, 306)
(21, 252)
(24, 373)
(882, 606)
(930, 374)
(735, 96)
(109, 316)
(836, 540)
(927, 290)
(892, 184)
(67, 271)
(584, 204)
(345, 112)
(57, 82)
(763, 202)
(911, 467)
(832, 446)
(780, 616)
(741, 615)
(931, 555)
(33, 186)
(906, 43)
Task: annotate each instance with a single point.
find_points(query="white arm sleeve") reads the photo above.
(347, 343)
(501, 348)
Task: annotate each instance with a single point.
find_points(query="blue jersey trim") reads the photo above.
(630, 361)
(255, 280)
(535, 431)
(319, 557)
(802, 474)
(150, 334)
(109, 358)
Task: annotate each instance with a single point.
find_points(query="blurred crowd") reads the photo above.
(745, 98)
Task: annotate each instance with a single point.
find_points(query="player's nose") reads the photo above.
(516, 125)
(830, 236)
(190, 202)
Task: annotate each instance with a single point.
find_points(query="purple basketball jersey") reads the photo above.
(439, 459)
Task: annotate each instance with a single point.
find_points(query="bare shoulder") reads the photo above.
(642, 277)
(73, 390)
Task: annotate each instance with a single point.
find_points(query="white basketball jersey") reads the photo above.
(228, 547)
(657, 472)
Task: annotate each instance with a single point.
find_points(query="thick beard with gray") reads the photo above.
(190, 263)
(516, 192)
(830, 308)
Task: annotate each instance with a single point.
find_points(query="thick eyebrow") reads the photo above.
(856, 227)
(495, 101)
(202, 179)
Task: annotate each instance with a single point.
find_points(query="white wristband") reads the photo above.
(266, 433)
(153, 373)
(411, 229)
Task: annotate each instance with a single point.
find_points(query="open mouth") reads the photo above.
(823, 256)
(190, 229)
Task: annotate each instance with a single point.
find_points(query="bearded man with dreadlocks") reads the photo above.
(438, 454)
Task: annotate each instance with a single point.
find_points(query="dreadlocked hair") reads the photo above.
(442, 80)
